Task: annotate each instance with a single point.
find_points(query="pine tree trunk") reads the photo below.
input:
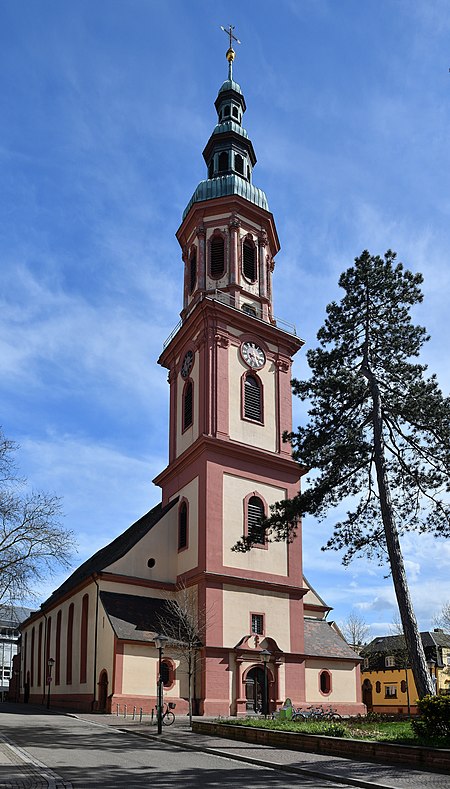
(416, 652)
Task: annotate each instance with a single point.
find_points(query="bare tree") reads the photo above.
(356, 631)
(32, 540)
(442, 618)
(185, 623)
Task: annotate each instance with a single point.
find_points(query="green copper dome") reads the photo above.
(229, 153)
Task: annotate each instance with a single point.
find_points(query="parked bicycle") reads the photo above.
(168, 717)
(316, 714)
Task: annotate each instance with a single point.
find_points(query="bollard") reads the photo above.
(124, 710)
(117, 709)
(140, 715)
(134, 713)
(153, 710)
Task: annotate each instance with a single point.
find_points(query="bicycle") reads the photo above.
(168, 717)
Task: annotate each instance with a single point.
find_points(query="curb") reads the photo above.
(262, 762)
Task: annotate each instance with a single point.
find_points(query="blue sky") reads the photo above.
(106, 107)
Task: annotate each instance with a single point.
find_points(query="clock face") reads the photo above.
(188, 361)
(253, 355)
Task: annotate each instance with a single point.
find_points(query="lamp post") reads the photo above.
(265, 656)
(50, 663)
(160, 642)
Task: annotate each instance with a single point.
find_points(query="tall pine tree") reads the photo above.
(378, 435)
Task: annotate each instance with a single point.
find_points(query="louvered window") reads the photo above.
(255, 515)
(187, 405)
(217, 253)
(239, 163)
(252, 399)
(249, 260)
(193, 270)
(182, 526)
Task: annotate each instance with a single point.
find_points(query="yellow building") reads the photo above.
(387, 680)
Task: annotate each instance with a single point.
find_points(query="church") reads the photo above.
(263, 629)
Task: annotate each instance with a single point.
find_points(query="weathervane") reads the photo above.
(230, 53)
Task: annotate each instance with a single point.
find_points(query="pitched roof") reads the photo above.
(322, 641)
(387, 644)
(134, 617)
(111, 552)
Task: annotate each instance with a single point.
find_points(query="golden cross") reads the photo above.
(229, 32)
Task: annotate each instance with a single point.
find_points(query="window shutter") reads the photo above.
(182, 526)
(193, 270)
(252, 399)
(249, 260)
(187, 406)
(217, 252)
(255, 514)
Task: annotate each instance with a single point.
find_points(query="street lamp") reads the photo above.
(160, 642)
(265, 656)
(50, 663)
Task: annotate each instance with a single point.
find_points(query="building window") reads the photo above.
(182, 526)
(389, 661)
(366, 662)
(58, 649)
(223, 162)
(325, 682)
(192, 270)
(255, 515)
(403, 686)
(226, 111)
(217, 257)
(69, 640)
(168, 673)
(390, 691)
(211, 169)
(39, 656)
(378, 687)
(188, 396)
(252, 398)
(249, 260)
(32, 656)
(239, 163)
(84, 638)
(257, 624)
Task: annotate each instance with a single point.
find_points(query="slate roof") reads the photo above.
(322, 641)
(111, 552)
(133, 617)
(388, 644)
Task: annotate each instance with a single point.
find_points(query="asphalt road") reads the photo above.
(39, 750)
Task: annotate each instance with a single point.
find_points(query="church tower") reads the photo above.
(229, 362)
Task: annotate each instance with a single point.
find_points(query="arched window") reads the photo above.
(69, 647)
(211, 169)
(58, 650)
(325, 682)
(252, 398)
(32, 657)
(192, 270)
(217, 257)
(84, 638)
(188, 396)
(235, 112)
(223, 161)
(239, 163)
(47, 646)
(39, 656)
(403, 686)
(249, 260)
(378, 687)
(255, 515)
(182, 526)
(226, 111)
(168, 673)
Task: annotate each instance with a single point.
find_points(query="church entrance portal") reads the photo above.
(254, 690)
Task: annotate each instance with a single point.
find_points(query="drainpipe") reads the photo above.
(95, 648)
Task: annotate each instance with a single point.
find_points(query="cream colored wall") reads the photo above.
(160, 543)
(186, 438)
(263, 436)
(188, 558)
(235, 489)
(105, 647)
(239, 603)
(76, 686)
(343, 681)
(140, 671)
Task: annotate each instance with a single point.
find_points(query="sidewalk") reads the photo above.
(362, 774)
